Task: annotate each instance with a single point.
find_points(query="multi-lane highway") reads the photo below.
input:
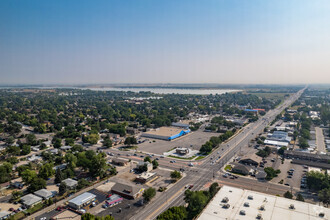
(206, 172)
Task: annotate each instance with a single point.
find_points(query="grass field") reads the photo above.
(271, 95)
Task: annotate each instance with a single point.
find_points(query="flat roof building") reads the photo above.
(165, 133)
(235, 203)
(30, 200)
(44, 193)
(145, 177)
(4, 215)
(82, 200)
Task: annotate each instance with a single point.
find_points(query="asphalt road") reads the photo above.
(206, 172)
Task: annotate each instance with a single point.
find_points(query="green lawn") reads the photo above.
(228, 168)
(200, 157)
(189, 158)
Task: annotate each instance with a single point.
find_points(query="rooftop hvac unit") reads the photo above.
(226, 206)
(262, 208)
(250, 197)
(321, 214)
(246, 204)
(242, 212)
(291, 206)
(225, 200)
(259, 216)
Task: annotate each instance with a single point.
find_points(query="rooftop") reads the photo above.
(44, 193)
(30, 199)
(83, 198)
(165, 131)
(70, 182)
(126, 189)
(255, 204)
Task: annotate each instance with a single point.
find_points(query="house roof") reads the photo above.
(261, 175)
(44, 193)
(126, 189)
(30, 199)
(70, 182)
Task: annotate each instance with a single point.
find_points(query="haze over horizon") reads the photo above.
(147, 41)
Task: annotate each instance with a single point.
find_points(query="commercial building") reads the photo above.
(320, 158)
(119, 162)
(166, 133)
(44, 193)
(145, 177)
(70, 183)
(180, 125)
(114, 200)
(279, 136)
(235, 203)
(127, 191)
(252, 160)
(241, 169)
(82, 200)
(30, 200)
(182, 150)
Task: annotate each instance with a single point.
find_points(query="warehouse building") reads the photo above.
(166, 133)
(82, 200)
(236, 203)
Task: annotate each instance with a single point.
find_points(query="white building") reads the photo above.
(235, 203)
(82, 200)
(30, 200)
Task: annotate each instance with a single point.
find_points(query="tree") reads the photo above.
(271, 173)
(98, 165)
(154, 164)
(57, 142)
(59, 176)
(69, 141)
(71, 160)
(26, 149)
(28, 176)
(82, 183)
(196, 200)
(12, 160)
(288, 195)
(147, 159)
(130, 141)
(46, 171)
(10, 140)
(36, 184)
(62, 188)
(174, 213)
(324, 196)
(281, 150)
(107, 142)
(31, 139)
(16, 194)
(149, 194)
(300, 198)
(214, 188)
(93, 138)
(175, 175)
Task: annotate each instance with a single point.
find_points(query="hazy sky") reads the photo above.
(164, 41)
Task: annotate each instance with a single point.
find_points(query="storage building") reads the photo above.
(82, 200)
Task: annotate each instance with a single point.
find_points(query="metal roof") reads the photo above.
(83, 198)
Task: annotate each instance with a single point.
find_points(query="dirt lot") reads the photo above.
(194, 140)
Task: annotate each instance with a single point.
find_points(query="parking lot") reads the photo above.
(124, 210)
(294, 179)
(194, 141)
